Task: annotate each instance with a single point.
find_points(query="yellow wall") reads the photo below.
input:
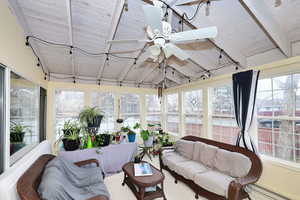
(13, 52)
(278, 176)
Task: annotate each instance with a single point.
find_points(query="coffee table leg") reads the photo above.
(142, 193)
(163, 191)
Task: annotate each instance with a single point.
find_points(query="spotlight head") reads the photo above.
(38, 64)
(99, 82)
(107, 58)
(135, 61)
(27, 41)
(189, 80)
(236, 68)
(45, 77)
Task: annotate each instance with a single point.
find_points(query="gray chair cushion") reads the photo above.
(208, 155)
(214, 181)
(189, 169)
(185, 148)
(198, 148)
(172, 159)
(232, 163)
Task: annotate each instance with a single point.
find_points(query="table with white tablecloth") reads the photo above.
(111, 157)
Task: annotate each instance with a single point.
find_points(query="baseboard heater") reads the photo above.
(259, 193)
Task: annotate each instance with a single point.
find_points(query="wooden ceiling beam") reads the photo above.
(262, 15)
(115, 23)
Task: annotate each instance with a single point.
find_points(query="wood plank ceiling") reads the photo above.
(82, 28)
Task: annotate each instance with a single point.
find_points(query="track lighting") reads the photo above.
(126, 5)
(107, 58)
(99, 82)
(27, 41)
(45, 78)
(236, 67)
(74, 79)
(71, 50)
(120, 83)
(278, 3)
(38, 64)
(135, 61)
(207, 8)
(189, 80)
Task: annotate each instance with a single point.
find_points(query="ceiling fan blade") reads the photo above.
(154, 51)
(171, 49)
(191, 3)
(153, 17)
(192, 35)
(126, 41)
(149, 32)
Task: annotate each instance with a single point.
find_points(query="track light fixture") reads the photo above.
(236, 67)
(38, 63)
(120, 84)
(74, 79)
(207, 8)
(135, 59)
(27, 41)
(278, 3)
(45, 77)
(107, 58)
(71, 50)
(126, 5)
(189, 80)
(99, 82)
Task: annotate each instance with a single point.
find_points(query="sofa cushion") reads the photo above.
(208, 155)
(214, 181)
(185, 148)
(198, 148)
(232, 163)
(171, 159)
(189, 169)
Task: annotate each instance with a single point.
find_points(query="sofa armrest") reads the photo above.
(86, 162)
(236, 187)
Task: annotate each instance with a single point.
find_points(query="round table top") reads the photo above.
(144, 181)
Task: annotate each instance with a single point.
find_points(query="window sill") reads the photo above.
(20, 154)
(173, 134)
(281, 163)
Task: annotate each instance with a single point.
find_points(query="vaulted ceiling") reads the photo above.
(70, 38)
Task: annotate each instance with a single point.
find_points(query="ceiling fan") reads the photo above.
(161, 38)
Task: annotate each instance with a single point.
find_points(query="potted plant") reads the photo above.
(102, 140)
(91, 117)
(70, 137)
(17, 133)
(130, 133)
(148, 135)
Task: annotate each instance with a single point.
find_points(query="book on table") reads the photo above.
(142, 169)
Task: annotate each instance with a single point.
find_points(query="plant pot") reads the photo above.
(16, 138)
(105, 139)
(118, 137)
(149, 142)
(131, 137)
(96, 122)
(14, 147)
(71, 145)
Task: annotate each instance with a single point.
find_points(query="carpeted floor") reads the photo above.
(173, 191)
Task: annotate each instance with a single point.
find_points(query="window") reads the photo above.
(24, 116)
(223, 120)
(278, 110)
(68, 105)
(172, 113)
(105, 101)
(130, 109)
(153, 107)
(2, 118)
(193, 112)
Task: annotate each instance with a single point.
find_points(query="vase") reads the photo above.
(149, 142)
(71, 145)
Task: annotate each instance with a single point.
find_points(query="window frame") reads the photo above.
(178, 113)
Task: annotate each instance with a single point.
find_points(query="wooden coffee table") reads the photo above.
(137, 184)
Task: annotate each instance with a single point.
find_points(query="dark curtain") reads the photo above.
(244, 95)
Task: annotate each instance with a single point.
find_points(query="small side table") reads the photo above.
(137, 184)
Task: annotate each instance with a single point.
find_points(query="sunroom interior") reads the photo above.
(59, 58)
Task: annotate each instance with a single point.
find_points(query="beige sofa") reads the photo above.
(212, 169)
